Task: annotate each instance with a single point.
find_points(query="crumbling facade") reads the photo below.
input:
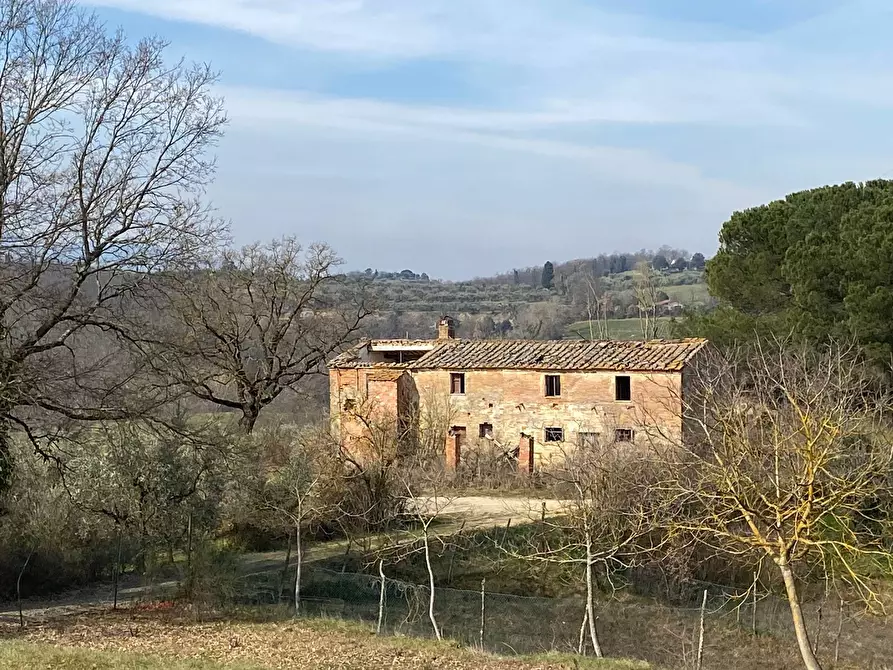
(527, 400)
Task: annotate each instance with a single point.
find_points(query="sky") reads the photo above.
(466, 137)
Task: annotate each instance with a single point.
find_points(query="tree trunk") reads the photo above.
(117, 572)
(283, 578)
(298, 560)
(590, 598)
(581, 646)
(381, 598)
(189, 545)
(249, 418)
(810, 662)
(5, 455)
(430, 586)
(483, 610)
(19, 588)
(700, 657)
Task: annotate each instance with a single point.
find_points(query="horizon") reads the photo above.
(496, 272)
(465, 136)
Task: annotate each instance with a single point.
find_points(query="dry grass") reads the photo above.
(150, 640)
(38, 656)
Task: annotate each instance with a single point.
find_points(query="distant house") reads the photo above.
(669, 307)
(537, 397)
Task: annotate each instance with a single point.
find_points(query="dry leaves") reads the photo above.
(290, 645)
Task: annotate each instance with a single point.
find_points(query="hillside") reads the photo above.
(513, 307)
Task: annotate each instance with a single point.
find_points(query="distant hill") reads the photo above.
(516, 304)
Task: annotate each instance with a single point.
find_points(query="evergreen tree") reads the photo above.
(548, 275)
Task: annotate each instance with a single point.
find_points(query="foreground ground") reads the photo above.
(134, 639)
(530, 607)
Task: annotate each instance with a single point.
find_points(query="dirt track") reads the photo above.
(488, 511)
(472, 512)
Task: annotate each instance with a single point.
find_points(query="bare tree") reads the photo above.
(104, 156)
(607, 519)
(425, 502)
(787, 458)
(291, 490)
(254, 323)
(646, 300)
(597, 309)
(370, 457)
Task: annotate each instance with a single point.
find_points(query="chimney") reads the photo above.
(445, 330)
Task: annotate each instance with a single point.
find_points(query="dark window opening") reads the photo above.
(624, 435)
(553, 386)
(622, 390)
(485, 430)
(588, 440)
(460, 433)
(457, 383)
(554, 435)
(402, 356)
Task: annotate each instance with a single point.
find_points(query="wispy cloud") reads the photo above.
(290, 111)
(552, 114)
(566, 57)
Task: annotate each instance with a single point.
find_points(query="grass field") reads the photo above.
(688, 295)
(618, 329)
(144, 641)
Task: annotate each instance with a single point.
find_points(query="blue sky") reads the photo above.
(464, 137)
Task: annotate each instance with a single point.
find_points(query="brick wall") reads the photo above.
(514, 402)
(355, 393)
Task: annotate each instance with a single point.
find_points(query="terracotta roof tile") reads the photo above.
(561, 355)
(656, 355)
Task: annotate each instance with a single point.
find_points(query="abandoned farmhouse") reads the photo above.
(532, 399)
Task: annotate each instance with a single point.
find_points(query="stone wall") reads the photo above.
(514, 403)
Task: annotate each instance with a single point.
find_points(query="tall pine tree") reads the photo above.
(548, 275)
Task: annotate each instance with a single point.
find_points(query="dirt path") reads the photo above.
(98, 597)
(489, 511)
(472, 512)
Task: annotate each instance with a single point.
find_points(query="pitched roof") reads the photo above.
(655, 355)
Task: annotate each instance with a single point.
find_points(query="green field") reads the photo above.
(688, 294)
(618, 329)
